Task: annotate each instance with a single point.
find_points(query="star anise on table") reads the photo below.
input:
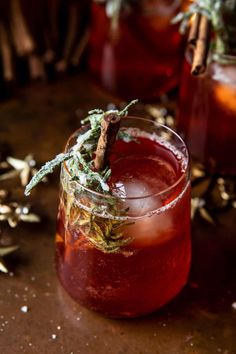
(211, 193)
(14, 167)
(12, 213)
(4, 251)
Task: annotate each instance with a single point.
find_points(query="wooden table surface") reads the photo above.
(201, 320)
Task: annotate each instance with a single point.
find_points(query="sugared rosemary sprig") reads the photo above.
(79, 157)
(45, 170)
(103, 232)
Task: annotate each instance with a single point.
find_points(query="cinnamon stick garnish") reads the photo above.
(194, 30)
(109, 130)
(201, 47)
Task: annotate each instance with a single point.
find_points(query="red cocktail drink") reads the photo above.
(207, 114)
(141, 56)
(149, 265)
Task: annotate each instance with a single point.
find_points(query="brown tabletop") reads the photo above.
(36, 314)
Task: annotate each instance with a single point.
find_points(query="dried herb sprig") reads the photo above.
(79, 158)
(92, 220)
(95, 222)
(45, 170)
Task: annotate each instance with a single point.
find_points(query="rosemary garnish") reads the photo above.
(80, 157)
(45, 170)
(95, 219)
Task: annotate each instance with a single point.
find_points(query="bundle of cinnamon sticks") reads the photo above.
(199, 40)
(41, 36)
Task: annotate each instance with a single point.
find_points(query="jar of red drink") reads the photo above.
(125, 253)
(207, 102)
(134, 50)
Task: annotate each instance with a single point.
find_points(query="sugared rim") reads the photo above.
(166, 190)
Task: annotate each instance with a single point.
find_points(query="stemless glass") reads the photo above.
(140, 56)
(207, 114)
(132, 259)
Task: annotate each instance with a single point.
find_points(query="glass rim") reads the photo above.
(162, 192)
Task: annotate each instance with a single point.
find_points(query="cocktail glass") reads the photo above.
(129, 254)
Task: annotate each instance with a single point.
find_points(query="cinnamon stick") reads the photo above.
(80, 49)
(36, 67)
(23, 41)
(73, 25)
(6, 53)
(109, 130)
(194, 30)
(202, 46)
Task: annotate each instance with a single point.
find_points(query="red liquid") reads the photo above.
(207, 116)
(142, 59)
(153, 268)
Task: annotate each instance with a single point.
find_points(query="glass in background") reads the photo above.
(137, 52)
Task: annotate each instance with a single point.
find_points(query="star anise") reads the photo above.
(14, 167)
(13, 213)
(4, 251)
